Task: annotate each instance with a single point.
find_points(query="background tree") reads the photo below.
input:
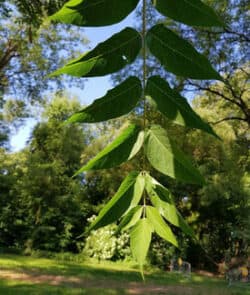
(53, 206)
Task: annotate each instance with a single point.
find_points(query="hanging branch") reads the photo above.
(177, 56)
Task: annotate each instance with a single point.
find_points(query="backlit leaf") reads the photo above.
(190, 12)
(160, 226)
(93, 13)
(130, 219)
(123, 148)
(179, 56)
(107, 57)
(120, 202)
(117, 102)
(140, 238)
(165, 157)
(172, 105)
(162, 200)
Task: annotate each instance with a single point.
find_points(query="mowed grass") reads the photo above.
(50, 276)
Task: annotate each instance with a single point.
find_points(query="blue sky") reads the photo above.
(93, 87)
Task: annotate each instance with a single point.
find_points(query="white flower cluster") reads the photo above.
(104, 244)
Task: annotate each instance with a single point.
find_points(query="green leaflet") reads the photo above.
(123, 148)
(93, 13)
(162, 200)
(179, 56)
(160, 226)
(165, 157)
(140, 238)
(130, 219)
(172, 105)
(120, 202)
(117, 102)
(190, 12)
(107, 57)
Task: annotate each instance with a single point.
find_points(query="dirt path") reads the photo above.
(77, 282)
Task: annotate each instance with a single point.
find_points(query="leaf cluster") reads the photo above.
(143, 204)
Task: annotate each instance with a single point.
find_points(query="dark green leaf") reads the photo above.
(107, 57)
(190, 12)
(172, 105)
(165, 157)
(119, 204)
(94, 13)
(123, 148)
(117, 102)
(162, 200)
(140, 238)
(160, 226)
(130, 219)
(179, 56)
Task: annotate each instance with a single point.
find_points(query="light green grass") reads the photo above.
(121, 273)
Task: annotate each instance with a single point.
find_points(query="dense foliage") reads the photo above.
(43, 208)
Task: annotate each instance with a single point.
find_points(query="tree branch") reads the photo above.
(228, 119)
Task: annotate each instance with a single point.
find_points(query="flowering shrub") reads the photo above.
(106, 244)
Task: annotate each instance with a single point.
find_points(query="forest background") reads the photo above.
(44, 210)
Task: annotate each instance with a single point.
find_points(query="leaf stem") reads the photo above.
(144, 81)
(144, 70)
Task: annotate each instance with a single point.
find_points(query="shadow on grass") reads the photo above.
(116, 278)
(18, 288)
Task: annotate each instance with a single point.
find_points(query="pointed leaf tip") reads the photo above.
(120, 202)
(160, 226)
(189, 12)
(173, 106)
(117, 102)
(107, 57)
(140, 238)
(162, 200)
(178, 55)
(123, 148)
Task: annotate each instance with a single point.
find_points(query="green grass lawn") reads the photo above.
(38, 276)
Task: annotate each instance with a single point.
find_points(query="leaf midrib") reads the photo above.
(178, 52)
(174, 100)
(173, 155)
(110, 99)
(199, 9)
(105, 52)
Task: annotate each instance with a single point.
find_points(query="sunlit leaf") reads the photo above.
(179, 56)
(190, 12)
(107, 57)
(160, 226)
(172, 105)
(130, 219)
(123, 148)
(93, 13)
(165, 157)
(140, 238)
(162, 200)
(117, 102)
(119, 204)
